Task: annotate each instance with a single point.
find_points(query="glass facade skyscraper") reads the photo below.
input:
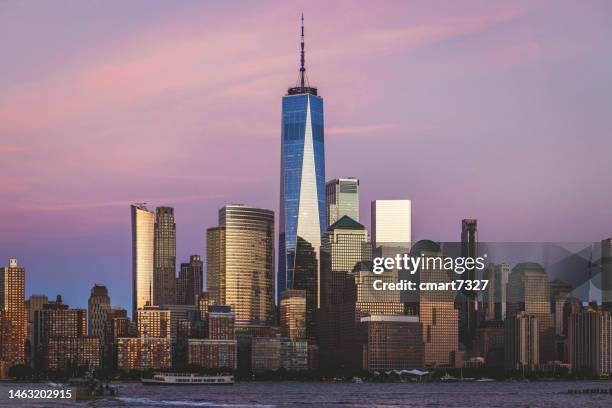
(302, 190)
(143, 223)
(342, 197)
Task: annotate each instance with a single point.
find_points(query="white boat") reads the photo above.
(187, 379)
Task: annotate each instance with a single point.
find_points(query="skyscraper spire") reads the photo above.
(302, 67)
(302, 86)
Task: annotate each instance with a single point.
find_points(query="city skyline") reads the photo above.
(84, 236)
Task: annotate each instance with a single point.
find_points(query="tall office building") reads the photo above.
(342, 198)
(436, 309)
(495, 298)
(302, 218)
(466, 300)
(143, 222)
(344, 247)
(391, 223)
(529, 292)
(293, 314)
(98, 309)
(189, 281)
(13, 318)
(559, 295)
(164, 258)
(240, 263)
(606, 274)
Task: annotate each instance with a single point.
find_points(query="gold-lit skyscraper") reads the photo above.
(152, 321)
(143, 224)
(240, 263)
(98, 309)
(13, 318)
(164, 258)
(189, 281)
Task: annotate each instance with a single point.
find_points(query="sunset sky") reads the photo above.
(500, 111)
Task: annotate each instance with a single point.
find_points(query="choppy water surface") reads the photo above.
(260, 395)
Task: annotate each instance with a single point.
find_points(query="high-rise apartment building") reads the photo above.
(13, 317)
(590, 342)
(34, 303)
(240, 263)
(189, 281)
(391, 223)
(606, 274)
(342, 198)
(143, 225)
(559, 295)
(302, 218)
(152, 321)
(164, 258)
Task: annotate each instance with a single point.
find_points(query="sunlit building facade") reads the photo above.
(240, 264)
(342, 198)
(293, 314)
(141, 353)
(302, 218)
(143, 224)
(391, 223)
(13, 317)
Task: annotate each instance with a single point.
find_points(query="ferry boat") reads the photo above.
(187, 379)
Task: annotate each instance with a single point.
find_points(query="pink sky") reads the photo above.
(494, 110)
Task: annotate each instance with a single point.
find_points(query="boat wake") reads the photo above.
(184, 403)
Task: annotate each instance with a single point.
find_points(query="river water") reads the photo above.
(289, 394)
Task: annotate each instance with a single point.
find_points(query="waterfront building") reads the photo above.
(342, 198)
(212, 353)
(13, 317)
(164, 258)
(240, 263)
(606, 274)
(302, 218)
(70, 352)
(189, 281)
(391, 223)
(293, 314)
(522, 342)
(273, 353)
(393, 342)
(489, 342)
(590, 342)
(143, 222)
(144, 352)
